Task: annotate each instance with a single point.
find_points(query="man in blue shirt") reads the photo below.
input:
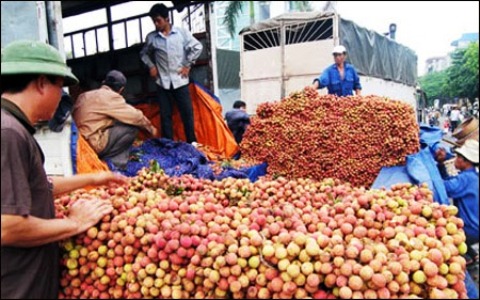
(463, 188)
(238, 120)
(340, 78)
(169, 53)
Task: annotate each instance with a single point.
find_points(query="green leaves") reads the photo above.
(433, 85)
(232, 12)
(459, 80)
(234, 9)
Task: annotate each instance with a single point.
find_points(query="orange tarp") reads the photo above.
(210, 128)
(87, 160)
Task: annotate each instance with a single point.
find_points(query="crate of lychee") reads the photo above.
(183, 238)
(323, 136)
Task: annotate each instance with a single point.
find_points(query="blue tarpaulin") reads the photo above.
(420, 168)
(431, 136)
(389, 176)
(472, 291)
(73, 146)
(179, 158)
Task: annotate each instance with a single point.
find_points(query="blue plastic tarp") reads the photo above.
(257, 171)
(472, 291)
(179, 158)
(431, 136)
(422, 168)
(389, 176)
(73, 146)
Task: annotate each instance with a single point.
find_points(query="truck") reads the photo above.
(277, 56)
(89, 61)
(44, 24)
(284, 54)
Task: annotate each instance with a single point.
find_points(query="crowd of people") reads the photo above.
(452, 116)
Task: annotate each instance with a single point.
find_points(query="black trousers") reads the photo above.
(181, 98)
(471, 240)
(120, 138)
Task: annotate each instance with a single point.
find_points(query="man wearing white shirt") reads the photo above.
(169, 53)
(454, 118)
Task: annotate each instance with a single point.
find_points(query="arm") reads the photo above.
(193, 49)
(456, 186)
(29, 231)
(315, 85)
(246, 118)
(63, 185)
(356, 83)
(125, 113)
(145, 54)
(440, 157)
(322, 81)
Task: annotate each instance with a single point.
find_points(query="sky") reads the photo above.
(428, 28)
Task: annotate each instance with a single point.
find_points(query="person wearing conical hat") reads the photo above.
(463, 189)
(33, 75)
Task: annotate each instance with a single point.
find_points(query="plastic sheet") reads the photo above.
(431, 136)
(179, 158)
(389, 176)
(472, 291)
(210, 127)
(422, 168)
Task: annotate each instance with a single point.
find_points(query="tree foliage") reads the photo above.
(235, 8)
(460, 80)
(433, 85)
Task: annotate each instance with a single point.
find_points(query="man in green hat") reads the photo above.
(33, 74)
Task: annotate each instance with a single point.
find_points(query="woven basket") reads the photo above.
(467, 130)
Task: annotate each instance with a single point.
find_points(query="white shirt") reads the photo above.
(169, 54)
(455, 115)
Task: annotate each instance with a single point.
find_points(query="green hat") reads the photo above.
(33, 57)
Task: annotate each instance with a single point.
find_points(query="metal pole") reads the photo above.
(336, 28)
(54, 25)
(282, 59)
(110, 31)
(51, 24)
(211, 23)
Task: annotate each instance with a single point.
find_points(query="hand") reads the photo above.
(110, 178)
(184, 72)
(440, 155)
(87, 213)
(154, 132)
(153, 72)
